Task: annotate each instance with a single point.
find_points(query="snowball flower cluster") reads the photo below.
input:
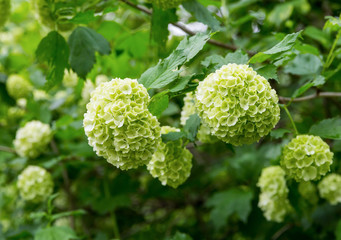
(237, 104)
(4, 11)
(188, 109)
(35, 184)
(89, 86)
(32, 139)
(118, 124)
(171, 162)
(273, 199)
(330, 188)
(18, 87)
(165, 4)
(306, 158)
(308, 191)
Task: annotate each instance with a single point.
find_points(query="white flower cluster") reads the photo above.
(273, 199)
(18, 87)
(238, 105)
(119, 125)
(35, 184)
(171, 162)
(32, 139)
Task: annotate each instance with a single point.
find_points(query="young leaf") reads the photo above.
(54, 50)
(54, 233)
(202, 14)
(191, 127)
(158, 103)
(226, 203)
(84, 42)
(328, 128)
(286, 44)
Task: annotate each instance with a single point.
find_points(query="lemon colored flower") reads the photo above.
(171, 162)
(306, 158)
(118, 124)
(238, 105)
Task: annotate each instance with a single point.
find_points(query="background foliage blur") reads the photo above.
(219, 200)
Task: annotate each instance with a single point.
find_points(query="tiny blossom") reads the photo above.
(171, 162)
(238, 105)
(32, 139)
(330, 188)
(306, 158)
(35, 184)
(18, 87)
(70, 79)
(118, 124)
(273, 199)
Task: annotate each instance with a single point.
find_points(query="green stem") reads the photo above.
(291, 120)
(112, 212)
(330, 55)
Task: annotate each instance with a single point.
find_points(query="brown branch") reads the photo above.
(309, 97)
(7, 149)
(281, 231)
(184, 28)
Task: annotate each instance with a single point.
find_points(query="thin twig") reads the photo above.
(281, 231)
(309, 97)
(7, 149)
(184, 28)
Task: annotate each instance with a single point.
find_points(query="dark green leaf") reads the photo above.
(68, 213)
(191, 127)
(84, 42)
(338, 230)
(225, 203)
(319, 80)
(159, 25)
(237, 57)
(202, 14)
(158, 103)
(179, 84)
(192, 46)
(304, 64)
(172, 136)
(328, 128)
(53, 50)
(279, 133)
(84, 17)
(55, 233)
(268, 71)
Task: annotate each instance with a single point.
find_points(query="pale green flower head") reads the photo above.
(330, 188)
(32, 139)
(273, 199)
(118, 124)
(5, 11)
(35, 184)
(306, 158)
(89, 86)
(238, 105)
(171, 162)
(18, 87)
(308, 191)
(204, 135)
(70, 78)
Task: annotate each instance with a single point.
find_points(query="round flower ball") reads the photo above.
(171, 162)
(273, 199)
(330, 188)
(5, 8)
(118, 124)
(166, 4)
(32, 139)
(18, 87)
(238, 105)
(204, 135)
(35, 184)
(70, 78)
(306, 158)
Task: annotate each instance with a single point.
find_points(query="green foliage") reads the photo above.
(54, 233)
(328, 128)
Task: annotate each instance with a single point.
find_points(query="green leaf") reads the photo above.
(328, 128)
(279, 133)
(180, 236)
(68, 213)
(318, 35)
(159, 25)
(191, 127)
(55, 233)
(304, 64)
(268, 71)
(158, 103)
(179, 84)
(226, 203)
(338, 230)
(53, 50)
(172, 136)
(286, 44)
(280, 13)
(166, 71)
(306, 48)
(237, 57)
(84, 42)
(202, 14)
(319, 80)
(84, 17)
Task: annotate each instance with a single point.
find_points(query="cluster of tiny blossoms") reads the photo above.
(238, 105)
(273, 199)
(306, 158)
(18, 87)
(35, 184)
(118, 124)
(188, 109)
(32, 139)
(171, 162)
(330, 188)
